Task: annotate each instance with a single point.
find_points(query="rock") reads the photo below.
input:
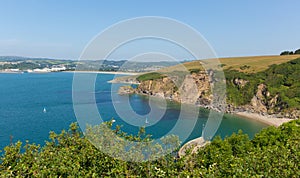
(126, 90)
(295, 114)
(273, 101)
(193, 146)
(240, 82)
(258, 101)
(193, 90)
(258, 105)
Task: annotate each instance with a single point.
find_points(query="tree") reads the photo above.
(286, 53)
(297, 51)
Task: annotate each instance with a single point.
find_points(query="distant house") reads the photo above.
(42, 70)
(12, 70)
(15, 70)
(52, 69)
(58, 68)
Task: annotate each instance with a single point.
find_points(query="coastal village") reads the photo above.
(15, 64)
(37, 70)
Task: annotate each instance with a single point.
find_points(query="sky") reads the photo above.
(62, 29)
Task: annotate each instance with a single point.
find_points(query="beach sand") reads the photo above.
(269, 120)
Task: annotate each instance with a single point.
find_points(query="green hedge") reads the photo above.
(274, 152)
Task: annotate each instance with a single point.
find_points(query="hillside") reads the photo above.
(255, 63)
(268, 85)
(27, 63)
(250, 64)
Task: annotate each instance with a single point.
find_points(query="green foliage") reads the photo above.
(281, 80)
(21, 66)
(149, 76)
(274, 152)
(194, 70)
(244, 67)
(290, 52)
(222, 65)
(239, 95)
(287, 53)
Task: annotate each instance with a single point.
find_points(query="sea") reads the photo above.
(33, 104)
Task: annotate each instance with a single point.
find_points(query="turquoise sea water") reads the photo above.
(23, 98)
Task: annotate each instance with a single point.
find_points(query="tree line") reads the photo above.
(290, 52)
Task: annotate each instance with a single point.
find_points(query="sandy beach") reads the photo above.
(273, 121)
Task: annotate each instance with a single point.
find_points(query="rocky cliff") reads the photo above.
(263, 103)
(196, 89)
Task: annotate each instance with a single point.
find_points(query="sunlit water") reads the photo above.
(23, 98)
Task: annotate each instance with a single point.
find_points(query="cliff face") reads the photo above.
(263, 103)
(164, 88)
(196, 89)
(258, 102)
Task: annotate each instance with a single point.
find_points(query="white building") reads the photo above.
(42, 70)
(58, 68)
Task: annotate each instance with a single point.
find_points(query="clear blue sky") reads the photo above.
(61, 29)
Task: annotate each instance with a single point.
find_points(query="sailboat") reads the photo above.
(146, 121)
(44, 110)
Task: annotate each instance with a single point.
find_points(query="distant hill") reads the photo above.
(20, 58)
(25, 63)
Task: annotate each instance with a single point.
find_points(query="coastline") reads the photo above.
(104, 72)
(268, 119)
(99, 72)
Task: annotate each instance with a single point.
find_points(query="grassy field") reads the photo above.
(251, 64)
(256, 63)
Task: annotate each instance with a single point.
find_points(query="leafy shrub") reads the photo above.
(274, 152)
(244, 67)
(194, 70)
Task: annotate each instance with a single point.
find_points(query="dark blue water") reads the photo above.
(24, 96)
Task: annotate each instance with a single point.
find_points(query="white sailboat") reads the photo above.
(146, 121)
(44, 110)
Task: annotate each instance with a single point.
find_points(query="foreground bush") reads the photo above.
(274, 152)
